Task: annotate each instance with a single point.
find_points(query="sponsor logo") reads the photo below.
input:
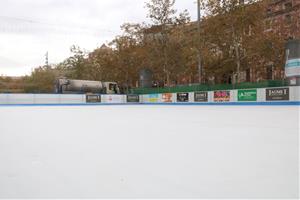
(278, 94)
(93, 98)
(222, 96)
(182, 97)
(201, 97)
(133, 98)
(153, 98)
(247, 95)
(167, 97)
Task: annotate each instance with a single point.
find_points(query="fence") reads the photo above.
(205, 87)
(274, 94)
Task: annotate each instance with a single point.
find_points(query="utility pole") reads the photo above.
(199, 42)
(47, 59)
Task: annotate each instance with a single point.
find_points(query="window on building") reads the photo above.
(287, 19)
(287, 6)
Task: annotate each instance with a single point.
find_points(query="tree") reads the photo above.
(162, 14)
(75, 66)
(102, 64)
(41, 80)
(238, 34)
(127, 54)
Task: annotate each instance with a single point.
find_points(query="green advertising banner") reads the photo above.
(247, 95)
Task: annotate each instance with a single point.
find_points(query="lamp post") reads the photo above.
(199, 42)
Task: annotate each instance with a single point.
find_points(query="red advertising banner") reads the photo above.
(222, 96)
(167, 98)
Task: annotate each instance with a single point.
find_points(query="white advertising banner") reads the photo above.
(114, 98)
(292, 68)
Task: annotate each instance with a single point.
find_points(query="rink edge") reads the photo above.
(290, 103)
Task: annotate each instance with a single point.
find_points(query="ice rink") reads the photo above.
(149, 151)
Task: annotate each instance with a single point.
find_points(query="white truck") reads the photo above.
(72, 86)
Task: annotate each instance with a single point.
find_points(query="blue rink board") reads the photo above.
(278, 103)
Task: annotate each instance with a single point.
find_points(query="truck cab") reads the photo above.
(111, 88)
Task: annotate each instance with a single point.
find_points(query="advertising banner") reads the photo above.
(153, 98)
(133, 98)
(247, 95)
(222, 96)
(114, 98)
(167, 97)
(278, 94)
(292, 68)
(201, 97)
(182, 97)
(93, 98)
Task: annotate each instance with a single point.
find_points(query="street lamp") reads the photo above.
(199, 42)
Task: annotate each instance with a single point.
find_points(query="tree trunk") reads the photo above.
(165, 56)
(237, 54)
(238, 62)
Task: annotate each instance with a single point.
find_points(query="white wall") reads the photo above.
(113, 99)
(41, 99)
(295, 93)
(261, 95)
(18, 98)
(69, 98)
(149, 98)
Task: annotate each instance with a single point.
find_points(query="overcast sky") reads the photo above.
(30, 28)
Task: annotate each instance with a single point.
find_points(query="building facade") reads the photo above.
(283, 17)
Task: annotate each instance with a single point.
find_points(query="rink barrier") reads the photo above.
(272, 95)
(286, 103)
(261, 96)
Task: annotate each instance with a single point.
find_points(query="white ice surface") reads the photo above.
(149, 152)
